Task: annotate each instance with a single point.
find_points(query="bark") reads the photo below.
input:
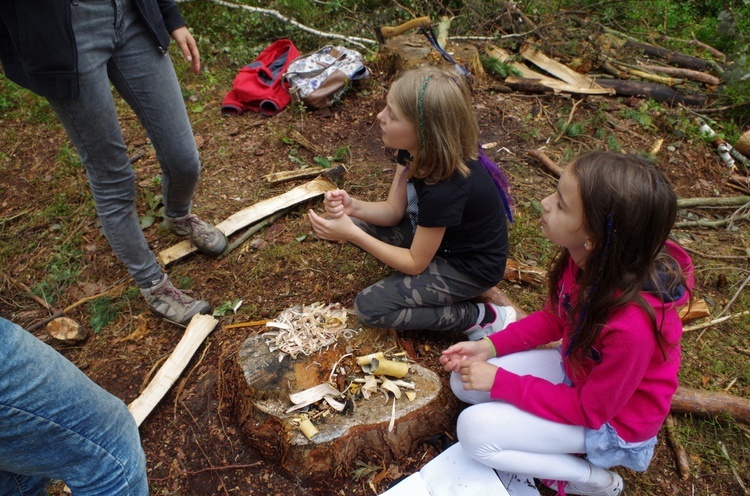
(655, 91)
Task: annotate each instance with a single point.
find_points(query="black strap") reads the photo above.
(430, 35)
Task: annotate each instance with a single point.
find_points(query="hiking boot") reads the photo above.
(503, 317)
(170, 303)
(615, 488)
(207, 238)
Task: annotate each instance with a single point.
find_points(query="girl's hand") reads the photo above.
(337, 203)
(338, 229)
(452, 359)
(189, 48)
(477, 376)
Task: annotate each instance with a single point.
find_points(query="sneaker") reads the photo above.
(170, 303)
(207, 238)
(503, 317)
(616, 487)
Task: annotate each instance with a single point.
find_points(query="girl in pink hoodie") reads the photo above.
(568, 414)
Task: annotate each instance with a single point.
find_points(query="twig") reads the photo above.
(710, 223)
(714, 322)
(679, 451)
(736, 294)
(570, 118)
(730, 201)
(717, 257)
(731, 466)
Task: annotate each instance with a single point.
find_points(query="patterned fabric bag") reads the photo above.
(319, 79)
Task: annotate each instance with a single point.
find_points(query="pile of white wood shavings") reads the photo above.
(307, 329)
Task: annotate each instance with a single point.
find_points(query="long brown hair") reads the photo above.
(438, 103)
(629, 210)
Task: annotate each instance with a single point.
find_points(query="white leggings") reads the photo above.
(509, 439)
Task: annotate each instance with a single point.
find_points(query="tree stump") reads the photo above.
(412, 50)
(261, 385)
(743, 144)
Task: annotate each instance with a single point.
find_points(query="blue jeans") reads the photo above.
(56, 423)
(114, 45)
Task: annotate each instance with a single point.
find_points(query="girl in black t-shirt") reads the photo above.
(443, 226)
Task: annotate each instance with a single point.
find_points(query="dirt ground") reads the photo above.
(191, 440)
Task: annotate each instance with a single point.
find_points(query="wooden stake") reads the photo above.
(199, 328)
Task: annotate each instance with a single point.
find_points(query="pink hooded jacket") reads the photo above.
(628, 383)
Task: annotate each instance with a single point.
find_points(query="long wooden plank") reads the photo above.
(254, 213)
(504, 56)
(198, 329)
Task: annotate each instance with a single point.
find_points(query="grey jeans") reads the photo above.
(115, 46)
(434, 300)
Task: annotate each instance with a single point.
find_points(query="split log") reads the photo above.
(711, 404)
(698, 309)
(683, 73)
(259, 211)
(197, 330)
(655, 91)
(284, 176)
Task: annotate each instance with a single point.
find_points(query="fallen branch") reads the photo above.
(698, 327)
(679, 451)
(683, 73)
(710, 404)
(354, 40)
(720, 201)
(655, 91)
(547, 162)
(648, 76)
(199, 328)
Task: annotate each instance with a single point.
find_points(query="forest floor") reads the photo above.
(48, 225)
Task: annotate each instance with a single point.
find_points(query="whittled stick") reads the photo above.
(198, 329)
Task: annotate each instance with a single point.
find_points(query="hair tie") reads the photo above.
(420, 110)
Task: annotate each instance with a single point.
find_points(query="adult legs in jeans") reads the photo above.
(56, 423)
(114, 44)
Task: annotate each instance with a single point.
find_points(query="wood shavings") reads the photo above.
(393, 416)
(388, 385)
(370, 386)
(306, 329)
(312, 395)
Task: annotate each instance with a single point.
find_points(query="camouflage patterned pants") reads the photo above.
(434, 300)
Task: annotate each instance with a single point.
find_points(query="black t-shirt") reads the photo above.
(471, 210)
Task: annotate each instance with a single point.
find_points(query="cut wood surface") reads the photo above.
(254, 213)
(536, 82)
(560, 70)
(197, 330)
(711, 403)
